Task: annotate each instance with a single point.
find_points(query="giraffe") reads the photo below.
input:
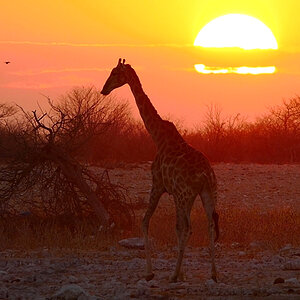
(177, 169)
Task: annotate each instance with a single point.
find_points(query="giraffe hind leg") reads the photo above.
(183, 230)
(213, 226)
(216, 221)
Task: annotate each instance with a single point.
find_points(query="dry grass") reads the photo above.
(272, 229)
(29, 234)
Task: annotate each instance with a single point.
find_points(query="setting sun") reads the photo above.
(240, 32)
(236, 30)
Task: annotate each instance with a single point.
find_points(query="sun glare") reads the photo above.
(236, 30)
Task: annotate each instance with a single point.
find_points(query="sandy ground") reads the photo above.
(118, 274)
(246, 185)
(244, 273)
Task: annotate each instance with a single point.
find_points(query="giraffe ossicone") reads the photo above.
(177, 169)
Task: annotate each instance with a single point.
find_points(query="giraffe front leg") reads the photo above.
(154, 198)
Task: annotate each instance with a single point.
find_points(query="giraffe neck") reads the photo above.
(151, 118)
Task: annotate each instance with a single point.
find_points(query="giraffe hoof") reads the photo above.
(149, 277)
(181, 276)
(173, 279)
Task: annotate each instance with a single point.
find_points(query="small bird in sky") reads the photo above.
(7, 62)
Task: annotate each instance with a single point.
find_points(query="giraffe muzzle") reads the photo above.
(104, 92)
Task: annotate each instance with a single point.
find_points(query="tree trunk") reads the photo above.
(72, 171)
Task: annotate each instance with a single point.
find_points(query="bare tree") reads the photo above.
(45, 171)
(287, 116)
(214, 131)
(214, 122)
(6, 110)
(281, 129)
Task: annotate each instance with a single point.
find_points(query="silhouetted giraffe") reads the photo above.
(178, 169)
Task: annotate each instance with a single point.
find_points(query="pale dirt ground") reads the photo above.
(244, 273)
(245, 185)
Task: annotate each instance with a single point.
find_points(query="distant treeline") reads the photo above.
(272, 138)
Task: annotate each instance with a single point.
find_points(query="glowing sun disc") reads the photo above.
(236, 30)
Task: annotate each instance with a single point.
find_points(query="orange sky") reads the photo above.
(55, 45)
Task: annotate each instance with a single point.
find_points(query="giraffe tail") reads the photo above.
(216, 221)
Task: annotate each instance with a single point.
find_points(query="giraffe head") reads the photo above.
(116, 78)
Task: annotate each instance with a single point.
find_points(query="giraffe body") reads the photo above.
(177, 169)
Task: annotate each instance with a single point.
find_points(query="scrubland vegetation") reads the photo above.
(52, 196)
(106, 131)
(273, 137)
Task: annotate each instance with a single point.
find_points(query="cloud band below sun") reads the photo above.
(200, 68)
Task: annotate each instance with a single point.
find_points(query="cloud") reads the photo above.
(282, 50)
(49, 71)
(31, 85)
(104, 45)
(200, 68)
